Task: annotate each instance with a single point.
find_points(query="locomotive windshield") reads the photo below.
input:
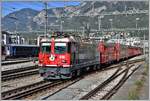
(60, 48)
(46, 48)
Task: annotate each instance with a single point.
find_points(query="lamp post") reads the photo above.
(99, 22)
(137, 22)
(46, 18)
(144, 45)
(111, 23)
(83, 30)
(61, 25)
(137, 19)
(16, 25)
(29, 24)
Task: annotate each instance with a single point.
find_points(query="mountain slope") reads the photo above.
(29, 19)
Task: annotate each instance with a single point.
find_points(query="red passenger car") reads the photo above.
(115, 52)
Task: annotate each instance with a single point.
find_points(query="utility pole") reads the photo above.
(16, 42)
(99, 22)
(83, 30)
(46, 21)
(125, 8)
(93, 8)
(111, 23)
(61, 25)
(137, 22)
(144, 46)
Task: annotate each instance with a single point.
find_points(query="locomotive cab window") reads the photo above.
(46, 47)
(60, 48)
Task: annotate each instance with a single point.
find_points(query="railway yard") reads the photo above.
(25, 83)
(75, 50)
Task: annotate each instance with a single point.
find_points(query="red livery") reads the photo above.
(64, 57)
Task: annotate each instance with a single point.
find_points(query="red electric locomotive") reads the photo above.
(67, 56)
(64, 57)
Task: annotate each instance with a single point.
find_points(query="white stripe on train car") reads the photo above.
(54, 65)
(67, 65)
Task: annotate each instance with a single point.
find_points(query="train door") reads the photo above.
(14, 51)
(3, 50)
(3, 53)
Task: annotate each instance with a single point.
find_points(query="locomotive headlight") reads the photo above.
(52, 58)
(64, 61)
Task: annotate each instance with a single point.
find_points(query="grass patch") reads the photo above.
(133, 95)
(146, 69)
(145, 73)
(139, 83)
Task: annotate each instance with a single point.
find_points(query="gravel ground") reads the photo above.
(11, 84)
(83, 86)
(80, 88)
(138, 57)
(144, 93)
(16, 66)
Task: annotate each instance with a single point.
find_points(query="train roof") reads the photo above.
(62, 39)
(23, 45)
(56, 40)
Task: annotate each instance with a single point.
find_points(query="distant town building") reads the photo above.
(39, 39)
(5, 38)
(17, 39)
(8, 38)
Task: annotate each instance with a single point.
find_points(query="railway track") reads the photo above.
(17, 61)
(29, 58)
(25, 91)
(114, 89)
(7, 72)
(21, 73)
(15, 73)
(14, 62)
(104, 91)
(49, 95)
(29, 90)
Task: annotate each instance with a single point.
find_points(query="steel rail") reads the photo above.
(19, 74)
(105, 83)
(11, 71)
(14, 94)
(15, 62)
(46, 97)
(118, 85)
(30, 89)
(17, 91)
(78, 79)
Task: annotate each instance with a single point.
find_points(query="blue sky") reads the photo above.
(11, 6)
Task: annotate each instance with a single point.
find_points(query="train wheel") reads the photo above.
(88, 68)
(98, 67)
(94, 67)
(78, 72)
(73, 74)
